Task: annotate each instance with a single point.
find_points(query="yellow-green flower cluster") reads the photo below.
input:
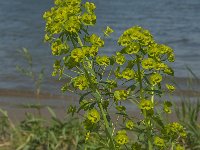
(108, 31)
(120, 58)
(179, 147)
(93, 116)
(73, 24)
(96, 40)
(167, 107)
(90, 50)
(68, 16)
(168, 71)
(171, 88)
(171, 57)
(175, 129)
(121, 137)
(90, 7)
(158, 51)
(132, 48)
(59, 48)
(68, 2)
(89, 18)
(77, 54)
(56, 68)
(148, 63)
(136, 34)
(128, 74)
(159, 141)
(146, 104)
(103, 60)
(160, 66)
(81, 82)
(155, 78)
(130, 124)
(65, 15)
(137, 39)
(121, 95)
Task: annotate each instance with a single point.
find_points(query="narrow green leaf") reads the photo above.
(51, 112)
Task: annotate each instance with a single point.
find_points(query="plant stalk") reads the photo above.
(99, 98)
(108, 129)
(139, 77)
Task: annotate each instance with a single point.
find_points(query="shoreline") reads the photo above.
(15, 102)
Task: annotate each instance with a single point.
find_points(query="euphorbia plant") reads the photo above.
(139, 66)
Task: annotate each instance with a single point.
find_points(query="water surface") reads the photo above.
(172, 22)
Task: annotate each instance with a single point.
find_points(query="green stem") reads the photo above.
(72, 40)
(79, 41)
(99, 98)
(110, 72)
(108, 129)
(149, 145)
(149, 132)
(148, 125)
(67, 75)
(139, 76)
(104, 69)
(152, 97)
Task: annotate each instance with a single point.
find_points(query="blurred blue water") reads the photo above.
(172, 22)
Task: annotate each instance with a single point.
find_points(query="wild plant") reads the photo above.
(39, 133)
(135, 74)
(188, 112)
(54, 134)
(29, 71)
(4, 127)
